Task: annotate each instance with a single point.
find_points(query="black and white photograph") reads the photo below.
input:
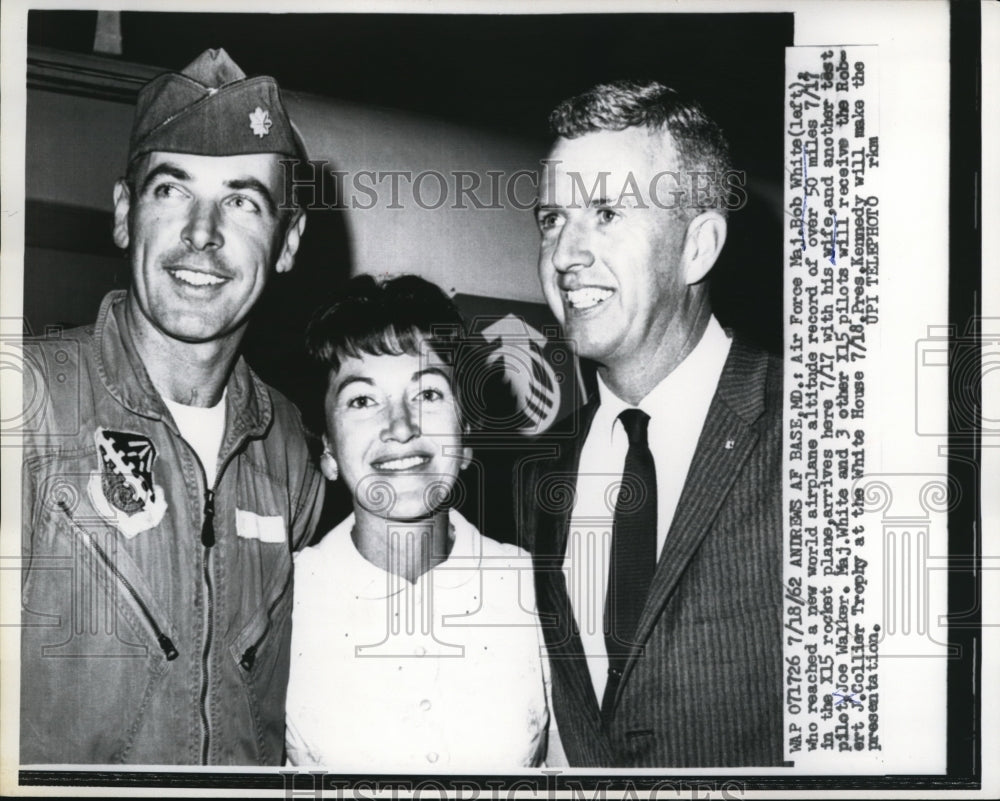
(495, 399)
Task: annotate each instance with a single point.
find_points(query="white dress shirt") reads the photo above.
(442, 675)
(677, 408)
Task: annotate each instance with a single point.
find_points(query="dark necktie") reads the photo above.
(633, 551)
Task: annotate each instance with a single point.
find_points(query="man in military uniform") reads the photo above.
(165, 486)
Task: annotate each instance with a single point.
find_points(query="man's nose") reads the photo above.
(203, 231)
(572, 248)
(402, 424)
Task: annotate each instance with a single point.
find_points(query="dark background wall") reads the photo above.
(384, 92)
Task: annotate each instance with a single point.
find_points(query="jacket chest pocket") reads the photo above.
(261, 653)
(97, 648)
(85, 579)
(261, 556)
(267, 625)
(259, 559)
(260, 504)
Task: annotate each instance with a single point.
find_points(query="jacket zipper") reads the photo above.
(165, 643)
(208, 522)
(250, 654)
(207, 541)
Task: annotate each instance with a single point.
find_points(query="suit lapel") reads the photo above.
(725, 442)
(556, 486)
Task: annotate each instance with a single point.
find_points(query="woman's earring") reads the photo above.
(329, 466)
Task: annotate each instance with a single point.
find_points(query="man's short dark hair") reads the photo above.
(700, 143)
(389, 318)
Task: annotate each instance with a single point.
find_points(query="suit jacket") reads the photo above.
(704, 686)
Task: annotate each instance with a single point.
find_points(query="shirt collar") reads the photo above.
(363, 579)
(691, 382)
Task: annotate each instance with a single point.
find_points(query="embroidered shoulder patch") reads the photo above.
(123, 489)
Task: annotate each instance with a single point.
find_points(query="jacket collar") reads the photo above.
(559, 478)
(743, 383)
(248, 402)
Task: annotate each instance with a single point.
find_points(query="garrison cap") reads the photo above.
(211, 108)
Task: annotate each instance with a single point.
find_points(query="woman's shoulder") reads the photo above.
(492, 547)
(487, 546)
(505, 571)
(325, 553)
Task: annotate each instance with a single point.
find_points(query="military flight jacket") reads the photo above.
(156, 610)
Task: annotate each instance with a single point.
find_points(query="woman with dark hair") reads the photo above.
(415, 644)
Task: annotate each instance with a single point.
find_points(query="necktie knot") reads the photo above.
(636, 423)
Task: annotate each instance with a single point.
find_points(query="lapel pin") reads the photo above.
(730, 443)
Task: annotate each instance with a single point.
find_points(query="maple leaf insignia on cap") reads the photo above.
(260, 122)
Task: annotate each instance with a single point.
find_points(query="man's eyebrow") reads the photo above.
(256, 186)
(353, 380)
(166, 168)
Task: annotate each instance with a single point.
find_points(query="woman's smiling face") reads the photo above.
(394, 428)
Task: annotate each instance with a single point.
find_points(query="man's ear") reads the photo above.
(123, 203)
(706, 234)
(293, 235)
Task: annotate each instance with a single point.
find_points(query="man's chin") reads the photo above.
(199, 330)
(591, 341)
(195, 335)
(190, 326)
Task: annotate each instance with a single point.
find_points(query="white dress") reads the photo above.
(443, 675)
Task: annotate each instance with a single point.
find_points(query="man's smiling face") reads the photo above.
(610, 260)
(203, 234)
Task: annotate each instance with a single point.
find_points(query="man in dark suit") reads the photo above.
(656, 525)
